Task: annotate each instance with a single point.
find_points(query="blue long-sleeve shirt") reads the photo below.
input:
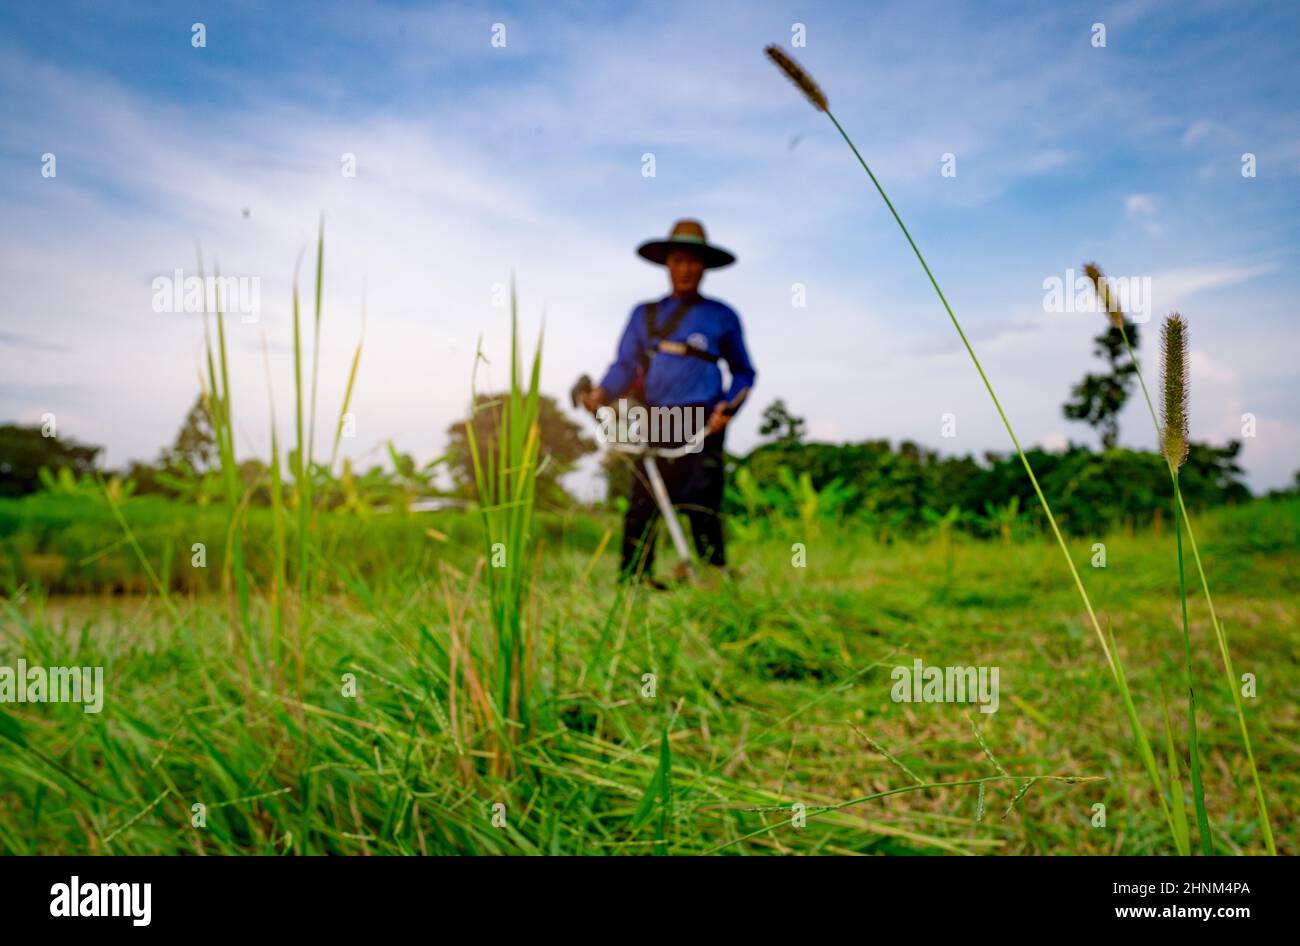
(673, 380)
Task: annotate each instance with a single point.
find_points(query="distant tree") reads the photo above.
(195, 445)
(562, 445)
(1098, 399)
(778, 421)
(909, 486)
(24, 450)
(256, 478)
(180, 468)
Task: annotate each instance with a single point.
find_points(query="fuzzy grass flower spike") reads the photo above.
(1173, 379)
(796, 74)
(1104, 294)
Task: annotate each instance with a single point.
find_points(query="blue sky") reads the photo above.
(474, 160)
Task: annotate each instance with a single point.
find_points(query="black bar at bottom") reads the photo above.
(211, 895)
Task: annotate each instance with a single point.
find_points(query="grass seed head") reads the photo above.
(795, 73)
(1104, 295)
(1173, 350)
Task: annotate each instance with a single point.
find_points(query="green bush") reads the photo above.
(907, 488)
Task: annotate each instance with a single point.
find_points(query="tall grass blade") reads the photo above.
(278, 526)
(1138, 732)
(505, 477)
(347, 394)
(1182, 833)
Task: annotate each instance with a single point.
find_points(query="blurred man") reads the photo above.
(668, 357)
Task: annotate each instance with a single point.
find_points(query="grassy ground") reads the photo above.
(768, 692)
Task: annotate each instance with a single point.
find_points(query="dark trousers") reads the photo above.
(695, 485)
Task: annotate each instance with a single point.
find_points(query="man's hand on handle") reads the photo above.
(723, 411)
(718, 419)
(593, 399)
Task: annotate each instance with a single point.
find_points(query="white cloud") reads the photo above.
(1204, 128)
(1139, 205)
(1174, 288)
(1206, 369)
(1140, 209)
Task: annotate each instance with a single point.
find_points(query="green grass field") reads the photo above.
(299, 678)
(770, 692)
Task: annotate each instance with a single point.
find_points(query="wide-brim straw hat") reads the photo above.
(687, 235)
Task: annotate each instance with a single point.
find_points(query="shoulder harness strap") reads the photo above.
(658, 336)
